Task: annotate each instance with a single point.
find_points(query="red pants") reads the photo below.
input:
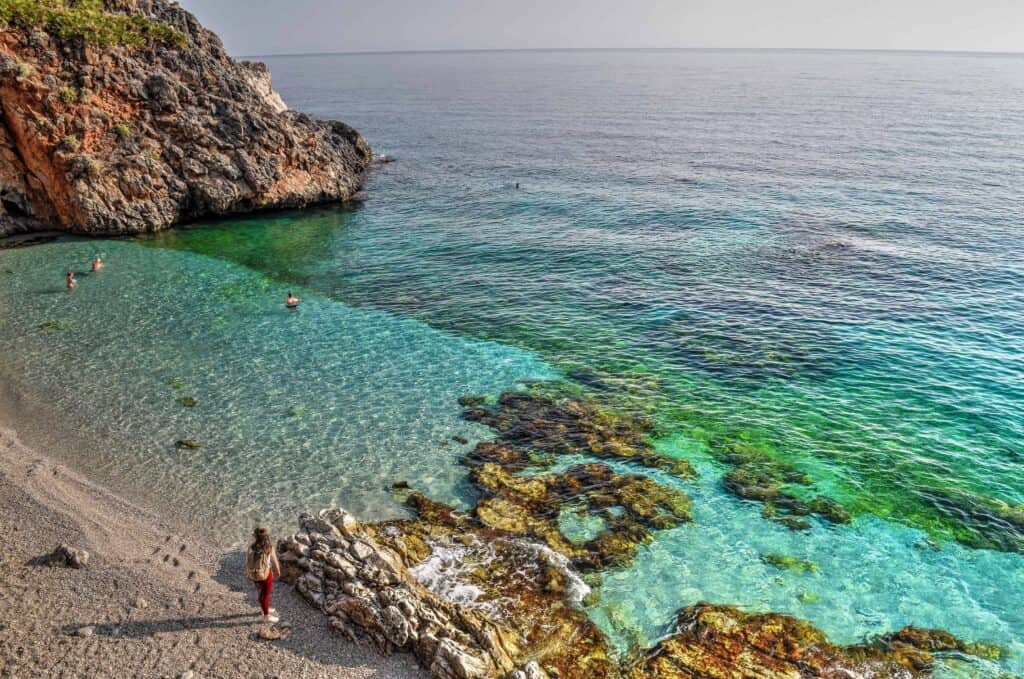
(263, 589)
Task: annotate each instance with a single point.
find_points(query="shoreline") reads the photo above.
(157, 598)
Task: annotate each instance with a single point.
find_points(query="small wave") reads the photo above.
(443, 573)
(576, 590)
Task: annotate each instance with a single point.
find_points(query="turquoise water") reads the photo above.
(324, 406)
(811, 253)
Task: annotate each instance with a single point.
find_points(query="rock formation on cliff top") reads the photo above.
(127, 116)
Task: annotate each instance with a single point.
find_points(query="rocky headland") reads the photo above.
(127, 116)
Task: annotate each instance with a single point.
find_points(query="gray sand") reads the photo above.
(161, 601)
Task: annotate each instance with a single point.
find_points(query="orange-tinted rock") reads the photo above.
(115, 139)
(723, 642)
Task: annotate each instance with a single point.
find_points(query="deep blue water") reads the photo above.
(816, 253)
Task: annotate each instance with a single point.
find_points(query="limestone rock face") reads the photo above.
(366, 590)
(115, 139)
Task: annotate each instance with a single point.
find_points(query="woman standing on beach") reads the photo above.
(261, 567)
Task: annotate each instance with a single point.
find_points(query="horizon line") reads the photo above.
(470, 50)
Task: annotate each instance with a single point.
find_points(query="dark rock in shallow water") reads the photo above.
(757, 476)
(188, 444)
(530, 505)
(572, 427)
(533, 430)
(984, 522)
(106, 138)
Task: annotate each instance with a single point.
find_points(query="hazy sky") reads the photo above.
(251, 27)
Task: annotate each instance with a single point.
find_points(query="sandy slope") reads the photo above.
(162, 602)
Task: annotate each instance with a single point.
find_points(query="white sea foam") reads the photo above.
(443, 573)
(576, 589)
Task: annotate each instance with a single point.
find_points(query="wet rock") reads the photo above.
(630, 506)
(532, 431)
(722, 642)
(188, 444)
(789, 563)
(531, 421)
(187, 401)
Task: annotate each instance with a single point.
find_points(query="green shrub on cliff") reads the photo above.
(88, 21)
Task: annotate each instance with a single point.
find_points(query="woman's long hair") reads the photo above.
(261, 544)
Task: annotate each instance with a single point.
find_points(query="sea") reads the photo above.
(814, 253)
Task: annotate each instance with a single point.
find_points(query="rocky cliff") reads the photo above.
(127, 116)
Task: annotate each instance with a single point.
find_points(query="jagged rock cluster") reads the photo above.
(533, 430)
(116, 139)
(361, 585)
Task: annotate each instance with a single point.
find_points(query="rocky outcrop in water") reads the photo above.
(470, 603)
(494, 591)
(367, 591)
(133, 125)
(723, 642)
(533, 431)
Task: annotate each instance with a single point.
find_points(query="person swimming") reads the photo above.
(292, 302)
(70, 279)
(97, 263)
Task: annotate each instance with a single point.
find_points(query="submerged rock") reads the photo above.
(982, 522)
(146, 122)
(789, 563)
(533, 431)
(528, 421)
(757, 476)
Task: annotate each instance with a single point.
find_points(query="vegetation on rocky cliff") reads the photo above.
(88, 21)
(108, 126)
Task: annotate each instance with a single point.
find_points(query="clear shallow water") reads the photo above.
(296, 410)
(815, 253)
